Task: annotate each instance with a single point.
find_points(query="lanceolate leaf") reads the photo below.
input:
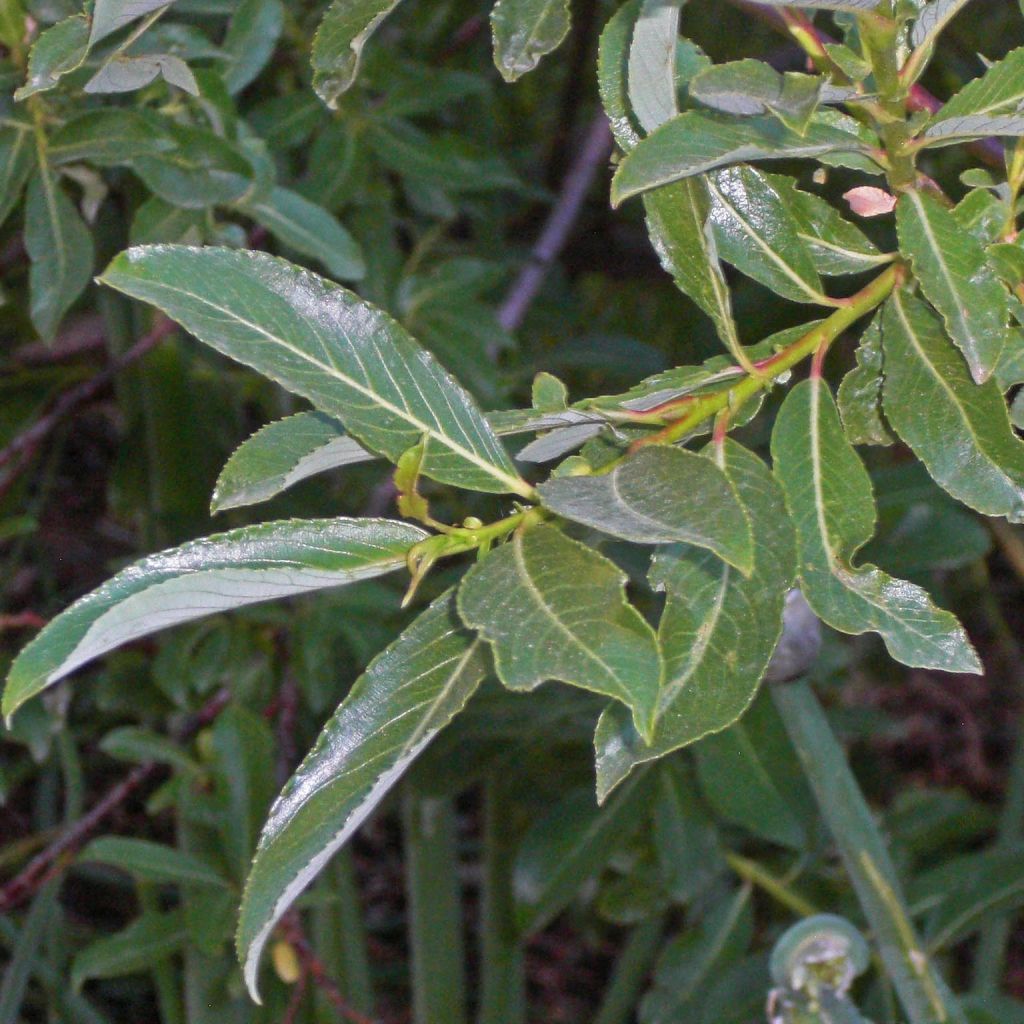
(676, 215)
(717, 632)
(695, 142)
(652, 63)
(149, 939)
(322, 342)
(408, 694)
(310, 230)
(17, 158)
(997, 93)
(612, 73)
(657, 496)
(228, 570)
(955, 275)
(282, 454)
(338, 44)
(251, 39)
(570, 601)
(525, 31)
(960, 430)
(757, 234)
(837, 246)
(828, 493)
(860, 393)
(60, 247)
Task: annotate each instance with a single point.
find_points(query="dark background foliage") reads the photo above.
(445, 176)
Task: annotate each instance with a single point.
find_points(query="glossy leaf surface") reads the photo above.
(693, 143)
(405, 697)
(326, 344)
(960, 430)
(956, 278)
(828, 493)
(228, 570)
(338, 44)
(525, 31)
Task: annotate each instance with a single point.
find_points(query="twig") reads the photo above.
(988, 150)
(595, 150)
(51, 860)
(291, 1013)
(21, 620)
(292, 932)
(17, 455)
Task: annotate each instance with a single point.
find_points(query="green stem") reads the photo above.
(751, 871)
(705, 407)
(879, 33)
(630, 973)
(435, 909)
(921, 989)
(502, 966)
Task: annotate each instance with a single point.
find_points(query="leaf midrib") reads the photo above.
(513, 484)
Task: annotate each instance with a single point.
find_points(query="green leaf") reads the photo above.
(280, 455)
(750, 776)
(652, 63)
(743, 87)
(987, 106)
(717, 632)
(758, 235)
(677, 224)
(568, 846)
(338, 44)
(934, 17)
(157, 221)
(584, 633)
(748, 87)
(106, 138)
(58, 51)
(251, 39)
(322, 342)
(199, 169)
(136, 949)
(960, 430)
(677, 215)
(309, 229)
(59, 245)
(110, 15)
(525, 31)
(127, 74)
(860, 393)
(149, 861)
(828, 493)
(408, 694)
(218, 573)
(658, 496)
(612, 73)
(695, 142)
(956, 278)
(17, 158)
(836, 245)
